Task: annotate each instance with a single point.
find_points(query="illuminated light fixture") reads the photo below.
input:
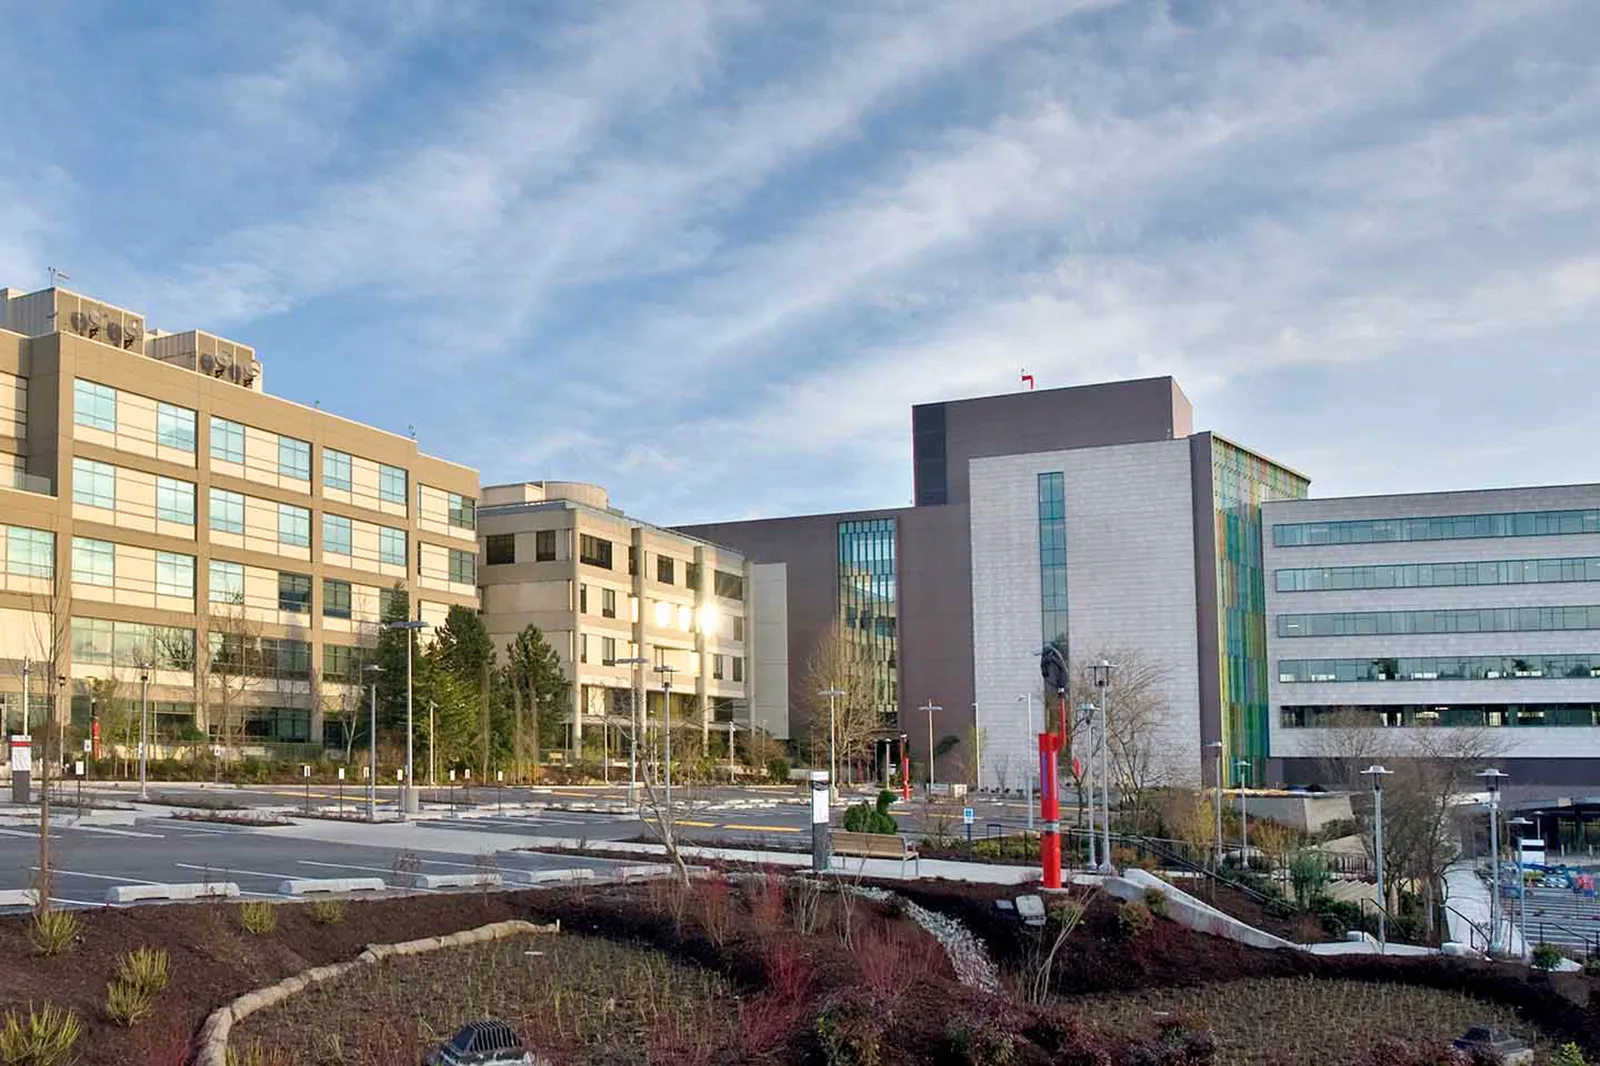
(663, 614)
(685, 618)
(710, 618)
(633, 608)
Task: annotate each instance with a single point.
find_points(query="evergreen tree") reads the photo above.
(463, 649)
(538, 687)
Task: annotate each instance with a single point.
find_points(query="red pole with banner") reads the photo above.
(1053, 666)
(905, 769)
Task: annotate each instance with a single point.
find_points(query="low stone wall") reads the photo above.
(214, 1033)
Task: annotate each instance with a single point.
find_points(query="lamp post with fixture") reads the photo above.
(410, 804)
(1491, 782)
(1378, 773)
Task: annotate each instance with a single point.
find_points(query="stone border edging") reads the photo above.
(213, 1042)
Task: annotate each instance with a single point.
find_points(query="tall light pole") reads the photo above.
(1242, 768)
(1491, 781)
(1102, 682)
(372, 743)
(1086, 719)
(930, 707)
(977, 747)
(666, 673)
(433, 750)
(1520, 823)
(144, 729)
(27, 672)
(1215, 747)
(410, 805)
(1027, 697)
(633, 732)
(1377, 773)
(833, 743)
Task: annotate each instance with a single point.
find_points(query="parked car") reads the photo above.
(485, 1043)
(1496, 1043)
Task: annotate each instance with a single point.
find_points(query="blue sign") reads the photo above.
(966, 815)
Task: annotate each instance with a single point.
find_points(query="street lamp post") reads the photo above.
(930, 707)
(1377, 773)
(833, 743)
(1102, 682)
(1519, 824)
(1086, 784)
(977, 747)
(1215, 747)
(433, 750)
(1242, 768)
(1491, 781)
(410, 804)
(633, 733)
(666, 673)
(1027, 697)
(144, 729)
(372, 744)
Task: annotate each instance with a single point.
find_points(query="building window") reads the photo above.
(583, 647)
(30, 552)
(227, 440)
(336, 469)
(225, 582)
(294, 525)
(1448, 715)
(175, 427)
(335, 598)
(341, 662)
(728, 586)
(391, 484)
(463, 510)
(175, 574)
(583, 599)
(691, 576)
(738, 668)
(94, 562)
(227, 511)
(1441, 668)
(665, 570)
(716, 667)
(500, 549)
(388, 600)
(608, 651)
(738, 627)
(544, 546)
(1468, 620)
(94, 484)
(608, 603)
(294, 593)
(868, 609)
(463, 567)
(94, 405)
(392, 546)
(100, 642)
(1438, 575)
(294, 458)
(175, 501)
(1441, 527)
(1053, 559)
(633, 560)
(594, 551)
(336, 535)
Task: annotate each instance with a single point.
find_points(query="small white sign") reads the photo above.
(77, 767)
(305, 771)
(499, 775)
(452, 775)
(88, 747)
(966, 816)
(22, 755)
(468, 774)
(399, 775)
(341, 773)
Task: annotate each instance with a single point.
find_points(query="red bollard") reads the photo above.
(1049, 810)
(905, 770)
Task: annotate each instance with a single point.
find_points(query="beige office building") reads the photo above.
(603, 587)
(156, 505)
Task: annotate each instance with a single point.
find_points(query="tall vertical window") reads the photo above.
(175, 427)
(583, 599)
(392, 546)
(738, 668)
(608, 651)
(30, 552)
(500, 549)
(391, 484)
(94, 484)
(594, 551)
(336, 467)
(294, 458)
(666, 569)
(608, 603)
(94, 562)
(175, 500)
(225, 582)
(94, 405)
(544, 545)
(175, 574)
(294, 525)
(463, 510)
(336, 535)
(463, 567)
(227, 440)
(294, 593)
(335, 598)
(227, 511)
(868, 607)
(1053, 559)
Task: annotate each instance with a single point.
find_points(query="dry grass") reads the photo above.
(586, 1000)
(1270, 1022)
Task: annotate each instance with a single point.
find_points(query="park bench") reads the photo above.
(877, 846)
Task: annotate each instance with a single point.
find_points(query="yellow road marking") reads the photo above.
(762, 828)
(701, 825)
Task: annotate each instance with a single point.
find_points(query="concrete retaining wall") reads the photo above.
(1188, 911)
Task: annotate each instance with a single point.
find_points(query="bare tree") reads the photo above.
(664, 809)
(844, 664)
(231, 667)
(51, 612)
(1141, 752)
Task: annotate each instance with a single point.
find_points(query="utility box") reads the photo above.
(21, 762)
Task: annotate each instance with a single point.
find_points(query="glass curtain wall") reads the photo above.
(869, 607)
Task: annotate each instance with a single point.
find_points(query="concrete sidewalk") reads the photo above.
(1466, 896)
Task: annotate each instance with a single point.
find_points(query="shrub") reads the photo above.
(1308, 875)
(1592, 967)
(1280, 908)
(983, 1035)
(1567, 1055)
(144, 969)
(864, 818)
(1156, 900)
(1546, 957)
(258, 916)
(327, 911)
(850, 1029)
(127, 1004)
(1134, 920)
(778, 769)
(52, 932)
(41, 1038)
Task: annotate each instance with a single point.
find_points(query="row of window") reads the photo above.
(94, 484)
(1448, 527)
(94, 562)
(1473, 716)
(1442, 668)
(665, 612)
(597, 551)
(100, 642)
(500, 549)
(30, 552)
(95, 406)
(246, 655)
(1467, 620)
(1438, 575)
(722, 666)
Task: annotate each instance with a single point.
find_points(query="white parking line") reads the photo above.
(118, 832)
(97, 877)
(31, 834)
(352, 866)
(217, 870)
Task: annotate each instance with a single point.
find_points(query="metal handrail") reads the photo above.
(1472, 926)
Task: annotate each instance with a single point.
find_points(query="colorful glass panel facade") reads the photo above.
(868, 606)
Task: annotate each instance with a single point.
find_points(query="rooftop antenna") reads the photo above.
(413, 431)
(57, 275)
(1027, 379)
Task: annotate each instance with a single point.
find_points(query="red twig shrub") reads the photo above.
(768, 902)
(716, 913)
(882, 960)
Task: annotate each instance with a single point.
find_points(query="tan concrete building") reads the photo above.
(604, 587)
(156, 505)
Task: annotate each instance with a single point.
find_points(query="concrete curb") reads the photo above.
(304, 886)
(483, 880)
(541, 877)
(213, 1042)
(20, 897)
(201, 890)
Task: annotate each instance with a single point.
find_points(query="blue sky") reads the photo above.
(708, 253)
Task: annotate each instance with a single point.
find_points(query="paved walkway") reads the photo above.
(1466, 896)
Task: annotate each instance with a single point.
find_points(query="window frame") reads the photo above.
(296, 597)
(295, 516)
(173, 487)
(87, 398)
(330, 543)
(386, 535)
(462, 562)
(332, 459)
(187, 437)
(212, 586)
(224, 431)
(540, 538)
(494, 557)
(291, 450)
(227, 498)
(182, 561)
(461, 511)
(386, 493)
(666, 569)
(29, 566)
(332, 596)
(86, 545)
(90, 472)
